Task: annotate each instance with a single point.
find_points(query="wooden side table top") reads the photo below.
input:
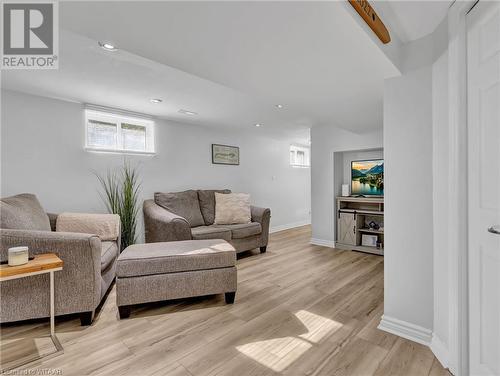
(42, 263)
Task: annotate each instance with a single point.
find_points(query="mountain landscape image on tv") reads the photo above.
(367, 178)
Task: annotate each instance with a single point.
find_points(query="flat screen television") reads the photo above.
(367, 177)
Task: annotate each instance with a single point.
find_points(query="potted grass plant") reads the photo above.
(120, 193)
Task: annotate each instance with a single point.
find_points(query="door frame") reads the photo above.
(458, 199)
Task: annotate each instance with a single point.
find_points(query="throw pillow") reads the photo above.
(207, 203)
(232, 208)
(184, 204)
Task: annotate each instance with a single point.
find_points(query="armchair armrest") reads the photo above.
(160, 225)
(81, 255)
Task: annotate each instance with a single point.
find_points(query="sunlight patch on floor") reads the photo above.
(279, 353)
(318, 326)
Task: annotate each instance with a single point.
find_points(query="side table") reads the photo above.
(41, 264)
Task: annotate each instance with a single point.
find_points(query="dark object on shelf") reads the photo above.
(373, 225)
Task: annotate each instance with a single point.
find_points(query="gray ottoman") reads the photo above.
(161, 271)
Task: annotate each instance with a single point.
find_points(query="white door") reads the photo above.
(483, 61)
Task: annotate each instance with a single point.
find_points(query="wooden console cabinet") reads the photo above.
(353, 217)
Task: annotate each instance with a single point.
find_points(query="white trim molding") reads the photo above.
(117, 111)
(288, 226)
(406, 330)
(440, 350)
(458, 353)
(323, 242)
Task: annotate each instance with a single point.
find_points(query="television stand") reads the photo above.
(354, 215)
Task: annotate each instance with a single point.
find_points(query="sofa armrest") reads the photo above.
(263, 216)
(260, 214)
(160, 225)
(79, 282)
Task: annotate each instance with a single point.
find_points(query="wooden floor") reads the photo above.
(299, 310)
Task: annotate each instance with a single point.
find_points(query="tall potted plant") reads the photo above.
(121, 196)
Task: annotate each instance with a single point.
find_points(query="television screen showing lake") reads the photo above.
(365, 189)
(367, 178)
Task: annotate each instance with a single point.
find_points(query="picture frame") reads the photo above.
(225, 155)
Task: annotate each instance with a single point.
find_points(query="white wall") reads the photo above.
(426, 50)
(42, 152)
(326, 140)
(418, 276)
(408, 199)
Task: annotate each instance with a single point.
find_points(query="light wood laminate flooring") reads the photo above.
(300, 309)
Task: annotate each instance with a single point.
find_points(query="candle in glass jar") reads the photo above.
(18, 256)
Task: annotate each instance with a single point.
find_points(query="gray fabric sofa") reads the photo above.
(191, 217)
(88, 270)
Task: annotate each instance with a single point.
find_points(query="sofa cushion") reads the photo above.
(232, 208)
(109, 252)
(175, 257)
(185, 204)
(23, 212)
(244, 230)
(211, 232)
(207, 203)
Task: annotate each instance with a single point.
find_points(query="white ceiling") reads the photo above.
(229, 62)
(411, 20)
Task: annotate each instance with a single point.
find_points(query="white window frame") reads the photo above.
(307, 156)
(120, 118)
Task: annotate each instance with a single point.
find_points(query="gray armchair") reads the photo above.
(198, 207)
(88, 269)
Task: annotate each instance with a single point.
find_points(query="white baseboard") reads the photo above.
(323, 242)
(288, 226)
(440, 351)
(406, 330)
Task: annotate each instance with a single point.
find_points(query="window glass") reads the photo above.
(300, 156)
(101, 134)
(134, 137)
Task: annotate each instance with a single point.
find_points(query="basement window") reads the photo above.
(300, 156)
(118, 133)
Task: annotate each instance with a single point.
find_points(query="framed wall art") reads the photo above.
(225, 154)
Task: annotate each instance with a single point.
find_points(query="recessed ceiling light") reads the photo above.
(258, 125)
(280, 106)
(107, 46)
(186, 112)
(155, 100)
